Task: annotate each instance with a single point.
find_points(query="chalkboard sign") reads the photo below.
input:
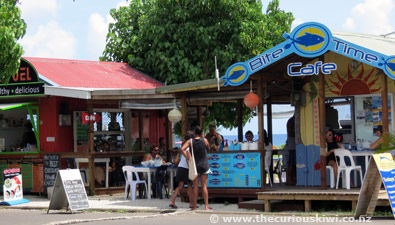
(51, 167)
(69, 191)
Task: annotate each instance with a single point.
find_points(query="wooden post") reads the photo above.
(269, 119)
(91, 149)
(240, 119)
(261, 140)
(140, 115)
(184, 112)
(384, 102)
(90, 129)
(321, 94)
(199, 115)
(91, 164)
(168, 137)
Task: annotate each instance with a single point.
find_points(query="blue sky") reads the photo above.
(77, 29)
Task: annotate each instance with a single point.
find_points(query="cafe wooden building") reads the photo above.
(318, 72)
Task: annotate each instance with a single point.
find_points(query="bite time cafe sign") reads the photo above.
(308, 40)
(24, 83)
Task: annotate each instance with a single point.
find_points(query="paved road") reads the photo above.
(40, 217)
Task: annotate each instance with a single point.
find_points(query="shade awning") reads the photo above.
(148, 104)
(8, 106)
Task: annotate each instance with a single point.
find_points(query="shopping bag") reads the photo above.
(192, 174)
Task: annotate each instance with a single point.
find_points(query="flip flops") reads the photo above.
(173, 206)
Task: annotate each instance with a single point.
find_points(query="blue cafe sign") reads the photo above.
(308, 40)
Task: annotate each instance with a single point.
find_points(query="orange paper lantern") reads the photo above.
(251, 100)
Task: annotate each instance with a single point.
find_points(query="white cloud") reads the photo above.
(98, 28)
(50, 41)
(371, 16)
(296, 23)
(31, 9)
(122, 3)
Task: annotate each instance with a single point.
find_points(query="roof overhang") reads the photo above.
(104, 93)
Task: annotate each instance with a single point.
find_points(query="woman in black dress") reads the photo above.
(331, 144)
(200, 147)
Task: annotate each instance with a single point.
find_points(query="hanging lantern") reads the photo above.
(174, 115)
(251, 100)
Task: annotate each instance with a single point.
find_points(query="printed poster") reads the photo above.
(12, 187)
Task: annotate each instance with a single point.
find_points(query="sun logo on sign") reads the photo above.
(351, 85)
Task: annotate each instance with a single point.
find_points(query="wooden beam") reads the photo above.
(240, 120)
(384, 102)
(321, 97)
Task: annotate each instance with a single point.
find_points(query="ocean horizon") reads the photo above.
(278, 139)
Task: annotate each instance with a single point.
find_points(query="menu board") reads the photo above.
(240, 170)
(12, 187)
(69, 191)
(51, 167)
(386, 166)
(76, 194)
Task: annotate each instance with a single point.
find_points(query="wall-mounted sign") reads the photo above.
(235, 170)
(24, 83)
(86, 118)
(308, 40)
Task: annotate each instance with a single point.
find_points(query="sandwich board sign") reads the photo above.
(381, 169)
(69, 191)
(12, 187)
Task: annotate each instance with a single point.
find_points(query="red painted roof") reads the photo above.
(92, 74)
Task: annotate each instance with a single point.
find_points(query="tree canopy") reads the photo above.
(175, 41)
(12, 28)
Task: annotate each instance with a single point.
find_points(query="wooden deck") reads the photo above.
(308, 194)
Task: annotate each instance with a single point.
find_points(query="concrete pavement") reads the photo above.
(116, 202)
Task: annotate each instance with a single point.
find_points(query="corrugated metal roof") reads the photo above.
(380, 44)
(92, 74)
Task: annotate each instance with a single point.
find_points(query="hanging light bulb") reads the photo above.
(251, 100)
(174, 114)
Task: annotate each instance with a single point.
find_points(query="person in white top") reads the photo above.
(182, 175)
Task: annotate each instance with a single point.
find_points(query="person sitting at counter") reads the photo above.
(379, 133)
(154, 154)
(214, 138)
(249, 136)
(28, 137)
(331, 145)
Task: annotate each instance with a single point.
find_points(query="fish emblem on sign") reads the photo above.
(389, 66)
(236, 74)
(307, 40)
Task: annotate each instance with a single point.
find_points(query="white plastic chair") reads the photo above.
(331, 176)
(268, 160)
(343, 168)
(128, 172)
